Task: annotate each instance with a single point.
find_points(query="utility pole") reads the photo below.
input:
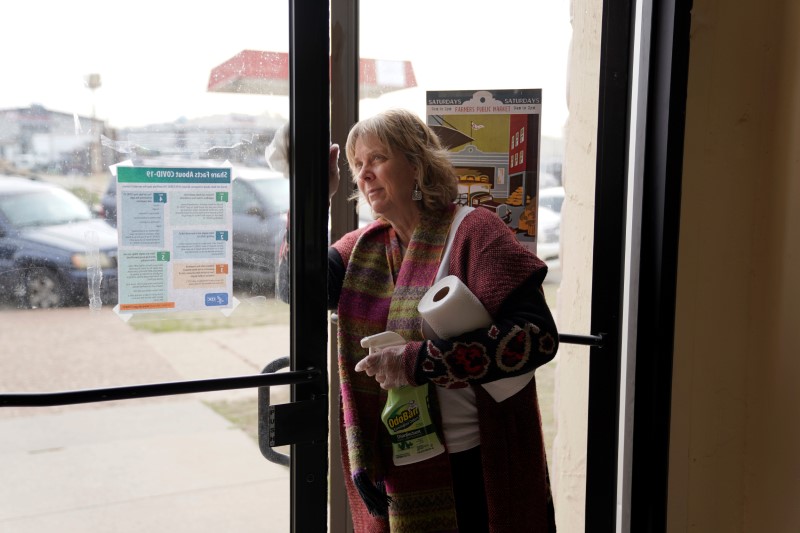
(96, 160)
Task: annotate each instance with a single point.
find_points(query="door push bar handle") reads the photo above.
(566, 338)
(264, 423)
(300, 421)
(584, 340)
(289, 423)
(150, 390)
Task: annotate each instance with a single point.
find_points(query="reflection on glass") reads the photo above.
(47, 208)
(43, 228)
(87, 89)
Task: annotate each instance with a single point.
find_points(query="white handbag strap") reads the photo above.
(461, 212)
(502, 388)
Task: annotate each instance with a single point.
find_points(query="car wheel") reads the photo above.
(41, 289)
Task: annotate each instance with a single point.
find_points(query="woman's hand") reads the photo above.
(386, 366)
(333, 170)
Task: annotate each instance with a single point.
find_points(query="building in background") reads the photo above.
(40, 139)
(44, 141)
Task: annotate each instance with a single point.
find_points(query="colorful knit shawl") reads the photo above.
(380, 292)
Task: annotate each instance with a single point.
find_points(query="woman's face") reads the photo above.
(385, 179)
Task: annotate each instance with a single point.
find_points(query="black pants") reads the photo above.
(469, 491)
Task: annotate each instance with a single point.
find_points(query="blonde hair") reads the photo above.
(402, 132)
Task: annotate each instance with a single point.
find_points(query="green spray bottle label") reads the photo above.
(406, 414)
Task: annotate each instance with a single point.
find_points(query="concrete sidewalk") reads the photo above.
(155, 465)
(168, 467)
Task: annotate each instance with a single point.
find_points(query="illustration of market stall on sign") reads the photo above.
(494, 140)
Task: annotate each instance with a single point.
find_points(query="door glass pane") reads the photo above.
(544, 44)
(121, 265)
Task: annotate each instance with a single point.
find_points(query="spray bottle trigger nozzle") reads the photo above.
(382, 340)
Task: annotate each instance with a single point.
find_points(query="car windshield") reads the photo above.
(43, 208)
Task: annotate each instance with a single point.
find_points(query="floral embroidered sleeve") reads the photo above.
(522, 337)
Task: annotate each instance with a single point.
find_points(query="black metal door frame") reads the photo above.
(309, 78)
(608, 263)
(304, 421)
(655, 261)
(661, 199)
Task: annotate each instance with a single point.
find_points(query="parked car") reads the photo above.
(107, 208)
(552, 198)
(548, 245)
(548, 236)
(49, 242)
(260, 203)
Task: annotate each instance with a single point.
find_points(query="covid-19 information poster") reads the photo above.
(174, 227)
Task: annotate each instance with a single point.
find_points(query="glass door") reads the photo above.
(145, 189)
(592, 74)
(475, 48)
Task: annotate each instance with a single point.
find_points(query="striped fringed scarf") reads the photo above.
(380, 292)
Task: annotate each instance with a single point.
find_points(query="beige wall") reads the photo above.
(735, 428)
(735, 431)
(575, 291)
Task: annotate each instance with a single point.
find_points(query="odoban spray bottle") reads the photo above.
(406, 414)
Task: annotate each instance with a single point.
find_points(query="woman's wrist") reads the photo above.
(411, 356)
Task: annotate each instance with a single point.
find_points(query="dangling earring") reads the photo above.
(417, 194)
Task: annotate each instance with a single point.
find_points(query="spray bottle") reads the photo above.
(406, 414)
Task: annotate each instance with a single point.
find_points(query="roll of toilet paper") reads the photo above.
(449, 308)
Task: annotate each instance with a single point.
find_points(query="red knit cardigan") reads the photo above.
(487, 257)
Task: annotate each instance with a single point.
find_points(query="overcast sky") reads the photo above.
(154, 57)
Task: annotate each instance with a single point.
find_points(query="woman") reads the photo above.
(494, 475)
